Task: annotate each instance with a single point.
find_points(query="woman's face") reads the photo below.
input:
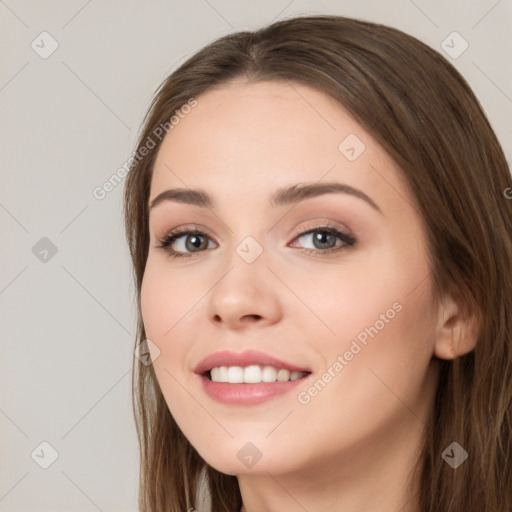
(336, 284)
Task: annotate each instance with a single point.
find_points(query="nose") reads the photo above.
(246, 296)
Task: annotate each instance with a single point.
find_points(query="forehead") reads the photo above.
(251, 138)
(266, 117)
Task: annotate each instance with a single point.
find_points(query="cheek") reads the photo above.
(382, 302)
(163, 303)
(158, 307)
(350, 294)
(164, 298)
(171, 307)
(373, 371)
(388, 345)
(153, 303)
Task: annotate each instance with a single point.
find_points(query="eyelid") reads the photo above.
(185, 228)
(323, 225)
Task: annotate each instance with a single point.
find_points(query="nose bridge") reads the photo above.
(245, 268)
(250, 250)
(247, 234)
(244, 292)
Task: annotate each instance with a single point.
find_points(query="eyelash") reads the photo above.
(348, 241)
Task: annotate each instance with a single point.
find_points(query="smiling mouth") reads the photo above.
(253, 374)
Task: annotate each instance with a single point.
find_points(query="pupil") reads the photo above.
(321, 238)
(193, 242)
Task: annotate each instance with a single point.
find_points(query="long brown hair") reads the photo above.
(424, 114)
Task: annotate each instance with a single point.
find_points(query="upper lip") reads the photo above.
(247, 358)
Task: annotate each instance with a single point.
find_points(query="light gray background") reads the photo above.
(68, 123)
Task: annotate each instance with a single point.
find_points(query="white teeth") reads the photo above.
(220, 374)
(283, 375)
(235, 374)
(269, 374)
(253, 374)
(223, 374)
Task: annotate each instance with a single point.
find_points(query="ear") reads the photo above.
(457, 331)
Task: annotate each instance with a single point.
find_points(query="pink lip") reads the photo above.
(247, 394)
(243, 393)
(247, 358)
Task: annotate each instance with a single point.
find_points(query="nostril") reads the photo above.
(251, 317)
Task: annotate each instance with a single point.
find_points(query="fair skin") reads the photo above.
(353, 445)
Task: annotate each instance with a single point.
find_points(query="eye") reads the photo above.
(187, 241)
(324, 239)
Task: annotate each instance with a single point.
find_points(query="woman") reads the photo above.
(341, 339)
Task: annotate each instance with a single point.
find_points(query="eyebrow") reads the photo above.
(281, 197)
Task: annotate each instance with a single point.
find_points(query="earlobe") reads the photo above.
(444, 347)
(457, 333)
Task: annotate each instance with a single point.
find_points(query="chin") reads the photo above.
(247, 458)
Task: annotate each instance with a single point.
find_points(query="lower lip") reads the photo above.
(247, 394)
